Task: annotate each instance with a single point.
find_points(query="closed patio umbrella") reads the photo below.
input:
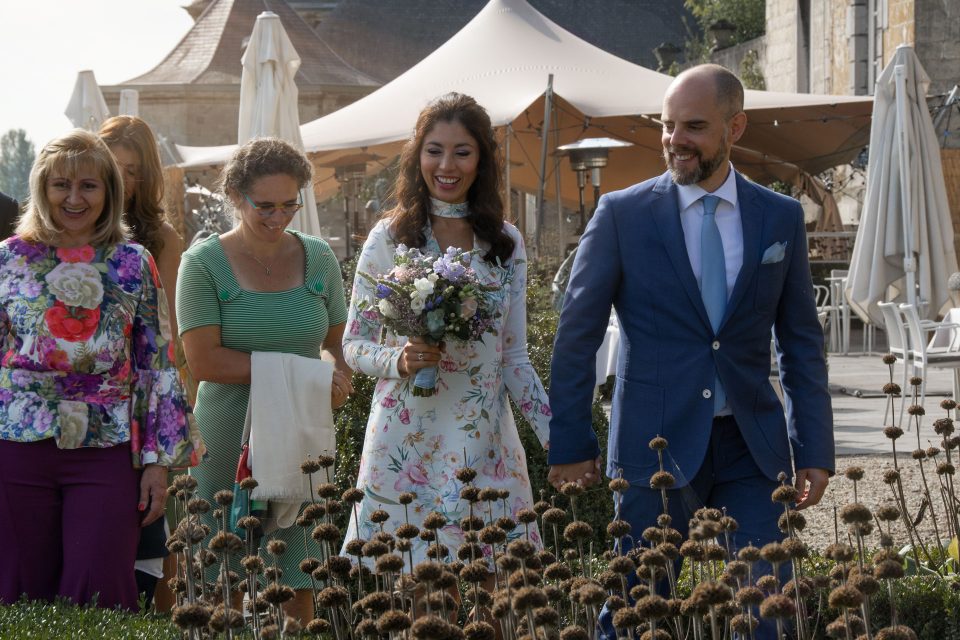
(904, 247)
(87, 109)
(268, 100)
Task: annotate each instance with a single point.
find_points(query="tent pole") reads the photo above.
(508, 131)
(909, 262)
(556, 170)
(544, 140)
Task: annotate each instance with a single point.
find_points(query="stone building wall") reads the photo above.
(780, 69)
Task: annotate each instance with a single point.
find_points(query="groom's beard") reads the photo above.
(705, 167)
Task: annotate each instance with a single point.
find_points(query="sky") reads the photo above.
(44, 43)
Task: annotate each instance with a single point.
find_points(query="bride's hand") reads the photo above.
(340, 389)
(418, 354)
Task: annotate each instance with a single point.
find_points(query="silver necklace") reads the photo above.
(266, 268)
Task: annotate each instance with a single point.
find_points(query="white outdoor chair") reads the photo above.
(839, 312)
(821, 294)
(924, 357)
(897, 345)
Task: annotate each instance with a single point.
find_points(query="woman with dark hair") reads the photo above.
(448, 195)
(86, 386)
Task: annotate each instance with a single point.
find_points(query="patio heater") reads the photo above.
(350, 177)
(589, 155)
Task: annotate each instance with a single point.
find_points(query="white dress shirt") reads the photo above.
(728, 221)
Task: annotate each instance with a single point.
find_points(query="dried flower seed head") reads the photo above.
(854, 473)
(326, 531)
(506, 524)
(945, 468)
(954, 442)
(845, 597)
(692, 550)
(892, 389)
(273, 573)
(898, 632)
(191, 615)
(226, 541)
(888, 570)
(314, 511)
(662, 480)
(792, 519)
(890, 476)
(889, 358)
(224, 498)
(521, 548)
(571, 489)
(277, 547)
(489, 494)
(574, 632)
(591, 594)
(434, 520)
(469, 551)
(541, 506)
(465, 475)
(318, 626)
(352, 495)
(527, 516)
(355, 547)
(804, 585)
(331, 597)
(729, 524)
(618, 485)
(893, 432)
(407, 531)
(479, 631)
(577, 530)
(554, 515)
(248, 484)
(839, 552)
(916, 410)
(529, 598)
(276, 593)
(768, 583)
(865, 584)
(198, 506)
(777, 606)
(378, 516)
(622, 565)
(855, 513)
(933, 452)
(658, 444)
(916, 381)
(618, 528)
(326, 490)
(796, 548)
(715, 553)
(749, 596)
(492, 535)
(557, 572)
(784, 494)
(389, 563)
(309, 466)
(888, 513)
(712, 593)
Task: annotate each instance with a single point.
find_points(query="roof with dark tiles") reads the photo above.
(210, 52)
(384, 38)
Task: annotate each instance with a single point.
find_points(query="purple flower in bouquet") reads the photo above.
(452, 265)
(383, 291)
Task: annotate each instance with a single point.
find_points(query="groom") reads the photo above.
(700, 264)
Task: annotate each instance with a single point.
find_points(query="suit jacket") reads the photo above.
(9, 212)
(632, 255)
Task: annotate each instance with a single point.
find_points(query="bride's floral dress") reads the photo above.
(416, 444)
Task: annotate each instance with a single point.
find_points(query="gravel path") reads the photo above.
(873, 492)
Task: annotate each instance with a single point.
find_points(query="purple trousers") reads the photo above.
(69, 524)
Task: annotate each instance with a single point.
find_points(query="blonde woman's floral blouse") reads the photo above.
(416, 444)
(87, 354)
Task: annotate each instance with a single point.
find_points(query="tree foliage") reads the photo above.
(16, 158)
(749, 16)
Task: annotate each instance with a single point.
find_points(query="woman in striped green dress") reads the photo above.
(258, 287)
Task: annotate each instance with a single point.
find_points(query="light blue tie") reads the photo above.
(713, 279)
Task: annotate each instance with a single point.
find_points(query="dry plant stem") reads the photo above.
(926, 493)
(901, 501)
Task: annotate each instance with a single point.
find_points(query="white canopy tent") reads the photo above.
(504, 57)
(904, 249)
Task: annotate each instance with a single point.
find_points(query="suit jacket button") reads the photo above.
(716, 345)
(707, 393)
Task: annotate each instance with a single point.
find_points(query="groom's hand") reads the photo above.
(586, 473)
(811, 484)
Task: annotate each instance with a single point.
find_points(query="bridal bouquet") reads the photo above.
(434, 298)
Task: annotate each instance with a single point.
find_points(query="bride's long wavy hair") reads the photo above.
(408, 219)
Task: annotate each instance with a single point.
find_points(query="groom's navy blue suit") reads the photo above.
(633, 256)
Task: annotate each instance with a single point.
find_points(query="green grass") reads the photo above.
(37, 621)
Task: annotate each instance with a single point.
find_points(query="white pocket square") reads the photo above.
(774, 253)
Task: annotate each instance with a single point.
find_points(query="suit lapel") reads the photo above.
(751, 219)
(667, 216)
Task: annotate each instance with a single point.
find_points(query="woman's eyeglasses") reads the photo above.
(267, 209)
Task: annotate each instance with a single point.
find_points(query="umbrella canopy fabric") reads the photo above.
(87, 109)
(503, 58)
(268, 100)
(877, 269)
